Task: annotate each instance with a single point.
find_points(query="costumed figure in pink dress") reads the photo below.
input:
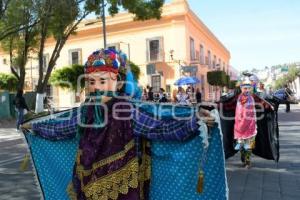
(245, 128)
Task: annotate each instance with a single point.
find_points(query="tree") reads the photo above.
(66, 77)
(8, 82)
(19, 14)
(281, 82)
(59, 19)
(217, 78)
(3, 7)
(293, 73)
(9, 29)
(135, 70)
(232, 84)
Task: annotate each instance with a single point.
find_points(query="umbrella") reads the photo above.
(187, 81)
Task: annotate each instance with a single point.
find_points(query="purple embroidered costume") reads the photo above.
(113, 161)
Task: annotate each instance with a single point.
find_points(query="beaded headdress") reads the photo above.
(105, 60)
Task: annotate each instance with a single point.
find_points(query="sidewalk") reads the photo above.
(267, 180)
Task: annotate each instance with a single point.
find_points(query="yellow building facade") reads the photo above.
(177, 45)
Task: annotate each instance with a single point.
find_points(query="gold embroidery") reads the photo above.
(109, 186)
(71, 192)
(82, 172)
(145, 168)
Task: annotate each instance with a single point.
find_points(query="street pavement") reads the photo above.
(14, 184)
(266, 180)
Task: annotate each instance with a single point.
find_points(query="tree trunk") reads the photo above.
(13, 71)
(43, 80)
(39, 102)
(23, 60)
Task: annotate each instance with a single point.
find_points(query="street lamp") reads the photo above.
(176, 61)
(103, 23)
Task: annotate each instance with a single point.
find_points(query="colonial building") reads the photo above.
(179, 44)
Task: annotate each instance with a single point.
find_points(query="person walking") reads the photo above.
(145, 95)
(162, 96)
(21, 106)
(288, 94)
(198, 96)
(150, 94)
(245, 128)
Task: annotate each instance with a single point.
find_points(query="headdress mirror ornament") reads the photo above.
(246, 82)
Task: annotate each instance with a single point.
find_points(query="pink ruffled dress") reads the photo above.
(245, 118)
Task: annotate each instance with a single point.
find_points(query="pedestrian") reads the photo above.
(145, 95)
(261, 91)
(20, 105)
(198, 95)
(150, 94)
(182, 97)
(162, 96)
(288, 94)
(245, 128)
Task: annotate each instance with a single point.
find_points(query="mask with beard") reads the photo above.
(92, 110)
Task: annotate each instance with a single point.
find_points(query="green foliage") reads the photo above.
(27, 24)
(281, 82)
(227, 80)
(217, 78)
(135, 70)
(67, 77)
(8, 82)
(292, 74)
(143, 9)
(232, 84)
(62, 15)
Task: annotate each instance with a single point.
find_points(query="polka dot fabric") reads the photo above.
(175, 168)
(53, 162)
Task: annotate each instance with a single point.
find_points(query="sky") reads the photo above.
(257, 33)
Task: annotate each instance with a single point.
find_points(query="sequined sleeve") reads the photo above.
(57, 128)
(164, 129)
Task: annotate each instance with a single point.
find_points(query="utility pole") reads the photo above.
(103, 23)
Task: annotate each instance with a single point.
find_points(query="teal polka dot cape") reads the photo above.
(175, 166)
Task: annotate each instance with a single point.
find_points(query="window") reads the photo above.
(114, 46)
(209, 58)
(219, 63)
(150, 68)
(75, 56)
(155, 49)
(201, 54)
(197, 56)
(214, 61)
(192, 48)
(203, 86)
(4, 61)
(155, 83)
(168, 88)
(45, 62)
